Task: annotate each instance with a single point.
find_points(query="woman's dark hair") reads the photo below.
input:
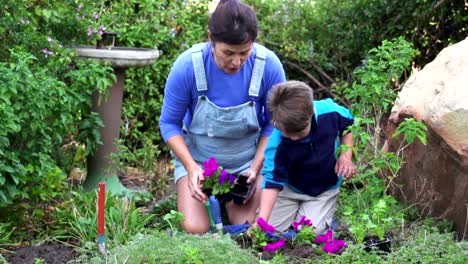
(233, 23)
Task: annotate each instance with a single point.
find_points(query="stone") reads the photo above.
(435, 176)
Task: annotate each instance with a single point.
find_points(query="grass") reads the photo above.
(159, 247)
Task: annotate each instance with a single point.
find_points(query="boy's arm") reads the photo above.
(344, 165)
(267, 201)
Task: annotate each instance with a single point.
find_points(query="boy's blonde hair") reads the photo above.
(291, 106)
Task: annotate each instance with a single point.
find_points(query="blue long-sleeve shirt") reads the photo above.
(308, 165)
(225, 90)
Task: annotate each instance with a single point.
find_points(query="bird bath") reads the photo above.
(100, 167)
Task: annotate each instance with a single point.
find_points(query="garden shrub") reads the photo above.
(169, 26)
(326, 40)
(38, 111)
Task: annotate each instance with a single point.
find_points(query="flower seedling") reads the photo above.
(261, 236)
(331, 246)
(217, 180)
(305, 230)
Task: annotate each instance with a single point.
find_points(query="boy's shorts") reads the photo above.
(290, 206)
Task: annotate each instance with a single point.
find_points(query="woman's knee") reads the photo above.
(195, 227)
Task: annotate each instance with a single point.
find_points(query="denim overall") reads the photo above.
(230, 134)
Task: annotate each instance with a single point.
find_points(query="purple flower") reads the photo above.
(265, 226)
(45, 50)
(324, 238)
(79, 7)
(232, 179)
(96, 16)
(334, 246)
(223, 176)
(303, 221)
(211, 166)
(90, 30)
(274, 246)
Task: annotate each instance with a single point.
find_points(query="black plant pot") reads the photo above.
(224, 198)
(241, 189)
(374, 243)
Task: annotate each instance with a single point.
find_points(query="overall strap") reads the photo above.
(257, 72)
(198, 67)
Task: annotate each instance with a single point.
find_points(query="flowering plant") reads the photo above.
(262, 234)
(217, 180)
(332, 246)
(304, 229)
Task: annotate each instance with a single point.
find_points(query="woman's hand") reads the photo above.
(251, 176)
(195, 178)
(251, 179)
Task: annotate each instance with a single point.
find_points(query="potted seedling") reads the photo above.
(218, 181)
(372, 225)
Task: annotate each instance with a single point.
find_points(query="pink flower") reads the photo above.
(303, 221)
(324, 238)
(211, 166)
(274, 246)
(334, 246)
(265, 226)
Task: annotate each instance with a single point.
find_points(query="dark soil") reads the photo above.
(48, 253)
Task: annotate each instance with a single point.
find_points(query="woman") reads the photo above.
(215, 106)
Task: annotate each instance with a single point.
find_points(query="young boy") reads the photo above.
(302, 172)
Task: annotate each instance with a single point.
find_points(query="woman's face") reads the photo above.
(230, 58)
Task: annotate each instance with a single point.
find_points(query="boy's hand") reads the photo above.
(345, 167)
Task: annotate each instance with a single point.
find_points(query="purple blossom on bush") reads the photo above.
(210, 166)
(95, 15)
(275, 246)
(47, 52)
(90, 30)
(79, 7)
(265, 226)
(101, 30)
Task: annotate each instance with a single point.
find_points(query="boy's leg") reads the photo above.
(285, 210)
(320, 210)
(195, 214)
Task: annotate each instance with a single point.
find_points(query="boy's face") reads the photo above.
(296, 135)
